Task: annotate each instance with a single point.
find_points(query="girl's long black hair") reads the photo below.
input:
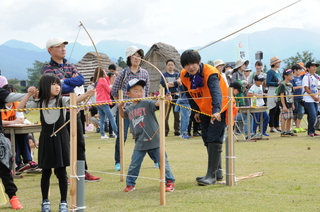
(45, 89)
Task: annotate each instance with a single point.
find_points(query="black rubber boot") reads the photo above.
(198, 178)
(214, 152)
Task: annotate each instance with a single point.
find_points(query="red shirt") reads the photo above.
(103, 90)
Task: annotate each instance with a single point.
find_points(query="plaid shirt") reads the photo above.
(125, 76)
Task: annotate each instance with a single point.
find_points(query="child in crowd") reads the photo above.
(286, 103)
(256, 90)
(6, 153)
(144, 126)
(297, 87)
(53, 151)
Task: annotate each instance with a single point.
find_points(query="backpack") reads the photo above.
(276, 92)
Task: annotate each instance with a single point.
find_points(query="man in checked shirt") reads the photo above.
(133, 70)
(69, 78)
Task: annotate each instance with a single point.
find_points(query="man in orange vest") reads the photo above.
(208, 93)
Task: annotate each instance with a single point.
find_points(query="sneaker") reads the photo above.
(45, 206)
(169, 186)
(302, 130)
(185, 136)
(33, 165)
(63, 206)
(257, 135)
(156, 165)
(23, 167)
(117, 167)
(98, 130)
(296, 130)
(311, 135)
(90, 178)
(316, 134)
(129, 188)
(104, 137)
(85, 136)
(273, 130)
(279, 130)
(265, 134)
(176, 133)
(292, 134)
(112, 136)
(197, 134)
(285, 134)
(15, 203)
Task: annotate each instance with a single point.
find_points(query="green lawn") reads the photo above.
(290, 181)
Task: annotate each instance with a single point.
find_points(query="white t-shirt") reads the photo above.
(311, 82)
(257, 90)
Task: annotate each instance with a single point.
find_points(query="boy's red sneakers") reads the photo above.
(91, 178)
(129, 188)
(169, 186)
(14, 202)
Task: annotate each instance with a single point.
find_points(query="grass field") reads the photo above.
(290, 181)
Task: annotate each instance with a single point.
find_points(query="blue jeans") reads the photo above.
(312, 110)
(184, 119)
(243, 117)
(135, 165)
(257, 119)
(104, 110)
(298, 109)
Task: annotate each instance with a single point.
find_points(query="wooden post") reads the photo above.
(162, 149)
(230, 171)
(121, 140)
(73, 151)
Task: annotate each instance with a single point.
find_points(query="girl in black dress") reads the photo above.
(54, 152)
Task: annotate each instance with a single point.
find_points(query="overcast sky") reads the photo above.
(181, 23)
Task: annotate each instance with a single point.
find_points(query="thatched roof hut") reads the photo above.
(158, 54)
(89, 63)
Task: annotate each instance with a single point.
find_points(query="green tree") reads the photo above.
(34, 74)
(121, 62)
(265, 69)
(304, 57)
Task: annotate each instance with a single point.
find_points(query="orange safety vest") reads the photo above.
(10, 115)
(199, 95)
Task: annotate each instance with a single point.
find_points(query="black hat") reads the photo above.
(236, 85)
(310, 63)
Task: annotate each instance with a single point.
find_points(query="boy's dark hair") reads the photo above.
(129, 61)
(112, 67)
(170, 60)
(45, 88)
(259, 77)
(91, 78)
(258, 63)
(10, 88)
(296, 67)
(189, 57)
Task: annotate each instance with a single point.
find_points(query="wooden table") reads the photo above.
(248, 111)
(19, 129)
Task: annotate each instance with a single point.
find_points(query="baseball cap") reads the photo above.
(132, 50)
(287, 72)
(54, 42)
(310, 63)
(135, 82)
(236, 85)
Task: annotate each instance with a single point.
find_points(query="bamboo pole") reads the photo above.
(230, 172)
(162, 149)
(121, 140)
(73, 151)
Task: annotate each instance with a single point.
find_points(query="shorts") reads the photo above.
(287, 115)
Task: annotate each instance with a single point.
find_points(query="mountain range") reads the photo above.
(16, 56)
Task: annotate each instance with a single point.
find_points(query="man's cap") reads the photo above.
(132, 50)
(287, 72)
(236, 85)
(135, 82)
(310, 63)
(54, 42)
(301, 64)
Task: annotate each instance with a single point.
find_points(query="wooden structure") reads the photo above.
(89, 63)
(158, 54)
